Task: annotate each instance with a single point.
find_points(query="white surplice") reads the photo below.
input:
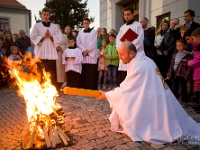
(73, 65)
(88, 41)
(47, 48)
(145, 109)
(138, 42)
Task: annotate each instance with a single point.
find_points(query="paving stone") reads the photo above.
(146, 148)
(134, 144)
(111, 144)
(82, 121)
(180, 147)
(169, 148)
(157, 146)
(101, 134)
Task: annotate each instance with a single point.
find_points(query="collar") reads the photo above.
(72, 47)
(130, 22)
(139, 56)
(87, 31)
(46, 24)
(112, 43)
(188, 24)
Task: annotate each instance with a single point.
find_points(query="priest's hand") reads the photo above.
(103, 96)
(111, 58)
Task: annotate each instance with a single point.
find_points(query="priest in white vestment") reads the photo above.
(143, 107)
(138, 42)
(46, 37)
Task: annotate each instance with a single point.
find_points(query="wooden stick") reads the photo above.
(63, 138)
(32, 139)
(56, 136)
(60, 131)
(46, 137)
(51, 136)
(34, 132)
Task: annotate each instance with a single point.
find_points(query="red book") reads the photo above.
(130, 35)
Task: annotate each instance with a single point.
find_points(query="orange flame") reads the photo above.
(39, 97)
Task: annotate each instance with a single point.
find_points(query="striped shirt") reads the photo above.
(178, 58)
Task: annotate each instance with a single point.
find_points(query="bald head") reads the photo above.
(128, 46)
(127, 51)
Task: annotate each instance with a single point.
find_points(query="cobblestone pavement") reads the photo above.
(86, 118)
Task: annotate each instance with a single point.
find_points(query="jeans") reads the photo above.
(175, 88)
(112, 74)
(102, 73)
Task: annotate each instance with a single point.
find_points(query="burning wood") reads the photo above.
(45, 116)
(47, 135)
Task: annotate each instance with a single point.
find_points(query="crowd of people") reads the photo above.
(90, 58)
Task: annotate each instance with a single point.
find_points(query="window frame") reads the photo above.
(5, 24)
(160, 18)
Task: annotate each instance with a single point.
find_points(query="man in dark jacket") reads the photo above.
(189, 20)
(168, 45)
(23, 42)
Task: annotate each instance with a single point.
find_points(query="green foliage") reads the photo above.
(67, 12)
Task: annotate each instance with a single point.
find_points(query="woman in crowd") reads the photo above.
(68, 31)
(9, 41)
(164, 26)
(103, 35)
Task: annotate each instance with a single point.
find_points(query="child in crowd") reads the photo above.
(179, 71)
(112, 61)
(14, 57)
(72, 58)
(30, 49)
(183, 30)
(102, 65)
(187, 37)
(195, 63)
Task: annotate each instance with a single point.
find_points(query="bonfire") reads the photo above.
(45, 116)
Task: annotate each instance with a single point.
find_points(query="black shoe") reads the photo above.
(196, 107)
(197, 111)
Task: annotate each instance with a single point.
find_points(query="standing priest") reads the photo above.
(87, 43)
(138, 42)
(143, 107)
(46, 37)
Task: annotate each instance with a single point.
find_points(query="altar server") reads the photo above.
(138, 42)
(87, 43)
(46, 37)
(72, 58)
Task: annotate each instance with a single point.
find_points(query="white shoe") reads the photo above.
(104, 87)
(98, 87)
(63, 85)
